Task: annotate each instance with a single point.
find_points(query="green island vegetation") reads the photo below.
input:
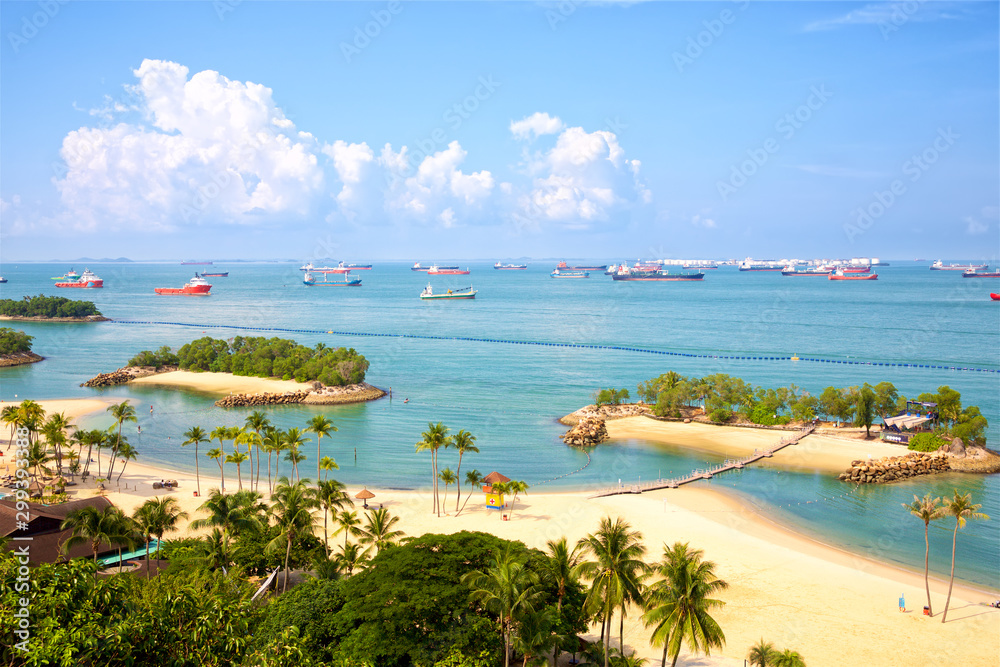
(370, 595)
(47, 306)
(611, 396)
(263, 357)
(724, 398)
(14, 342)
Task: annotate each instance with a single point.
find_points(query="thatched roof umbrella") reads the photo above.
(36, 489)
(365, 495)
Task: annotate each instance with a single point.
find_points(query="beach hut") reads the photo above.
(36, 489)
(365, 495)
(494, 500)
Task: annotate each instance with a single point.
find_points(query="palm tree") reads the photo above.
(378, 530)
(122, 412)
(9, 416)
(349, 557)
(30, 415)
(321, 426)
(231, 513)
(222, 433)
(927, 509)
(195, 436)
(449, 478)
(217, 454)
(615, 572)
(349, 523)
(788, 658)
(292, 506)
(257, 421)
(961, 507)
(327, 464)
(508, 589)
(293, 440)
(463, 442)
(330, 494)
(434, 438)
(272, 443)
(127, 453)
(536, 635)
(238, 457)
(678, 604)
(762, 654)
(474, 479)
(38, 456)
(559, 567)
(93, 525)
(515, 486)
(54, 430)
(155, 517)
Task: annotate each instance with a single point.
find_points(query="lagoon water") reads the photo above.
(510, 396)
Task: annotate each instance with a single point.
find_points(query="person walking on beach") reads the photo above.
(902, 602)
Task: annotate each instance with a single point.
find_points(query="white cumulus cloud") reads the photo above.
(535, 125)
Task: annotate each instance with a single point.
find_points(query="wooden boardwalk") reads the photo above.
(705, 473)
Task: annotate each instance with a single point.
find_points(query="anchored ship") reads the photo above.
(463, 293)
(87, 280)
(197, 286)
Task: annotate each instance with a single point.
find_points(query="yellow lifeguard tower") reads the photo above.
(494, 501)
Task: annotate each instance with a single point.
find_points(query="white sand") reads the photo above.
(222, 383)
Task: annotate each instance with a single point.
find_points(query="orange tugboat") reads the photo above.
(197, 286)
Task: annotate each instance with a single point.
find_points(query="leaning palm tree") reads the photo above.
(962, 508)
(127, 453)
(331, 496)
(155, 517)
(379, 529)
(349, 523)
(474, 479)
(449, 478)
(122, 412)
(257, 421)
(788, 658)
(195, 436)
(218, 454)
(321, 426)
(516, 487)
(926, 509)
(508, 589)
(615, 572)
(434, 438)
(9, 416)
(291, 508)
(463, 441)
(762, 654)
(678, 605)
(89, 524)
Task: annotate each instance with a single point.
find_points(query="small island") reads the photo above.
(15, 348)
(43, 308)
(272, 371)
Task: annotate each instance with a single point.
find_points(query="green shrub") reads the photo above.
(14, 342)
(47, 306)
(721, 415)
(611, 396)
(926, 442)
(159, 359)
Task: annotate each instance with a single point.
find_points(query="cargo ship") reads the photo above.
(197, 286)
(815, 271)
(220, 274)
(464, 293)
(355, 267)
(310, 280)
(418, 267)
(562, 266)
(309, 268)
(562, 273)
(447, 271)
(195, 263)
(981, 273)
(644, 275)
(939, 266)
(87, 280)
(751, 265)
(509, 267)
(840, 275)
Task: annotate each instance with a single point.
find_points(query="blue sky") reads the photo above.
(262, 130)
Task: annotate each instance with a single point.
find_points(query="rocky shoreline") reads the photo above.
(955, 457)
(19, 318)
(605, 412)
(318, 395)
(19, 359)
(588, 432)
(125, 375)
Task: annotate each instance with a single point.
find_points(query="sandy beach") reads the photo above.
(222, 383)
(815, 452)
(72, 407)
(786, 588)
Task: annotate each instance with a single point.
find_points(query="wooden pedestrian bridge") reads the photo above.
(705, 473)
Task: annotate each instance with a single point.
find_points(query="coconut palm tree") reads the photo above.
(762, 654)
(9, 416)
(378, 531)
(221, 433)
(122, 412)
(155, 517)
(327, 464)
(294, 456)
(615, 573)
(962, 508)
(350, 557)
(217, 454)
(463, 442)
(678, 604)
(54, 430)
(506, 588)
(294, 439)
(348, 522)
(291, 507)
(127, 453)
(30, 415)
(321, 426)
(434, 438)
(331, 496)
(788, 658)
(515, 486)
(89, 524)
(926, 509)
(272, 444)
(559, 568)
(238, 457)
(215, 551)
(474, 479)
(257, 421)
(536, 635)
(232, 513)
(449, 478)
(38, 456)
(195, 436)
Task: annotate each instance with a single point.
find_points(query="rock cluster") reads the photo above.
(587, 433)
(894, 468)
(605, 412)
(354, 393)
(248, 400)
(18, 358)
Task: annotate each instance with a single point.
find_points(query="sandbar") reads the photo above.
(222, 383)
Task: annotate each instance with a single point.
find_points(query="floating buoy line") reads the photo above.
(579, 346)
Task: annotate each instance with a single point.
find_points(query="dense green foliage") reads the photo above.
(162, 357)
(274, 357)
(611, 396)
(926, 442)
(47, 306)
(13, 342)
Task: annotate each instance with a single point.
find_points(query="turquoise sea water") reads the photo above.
(510, 396)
